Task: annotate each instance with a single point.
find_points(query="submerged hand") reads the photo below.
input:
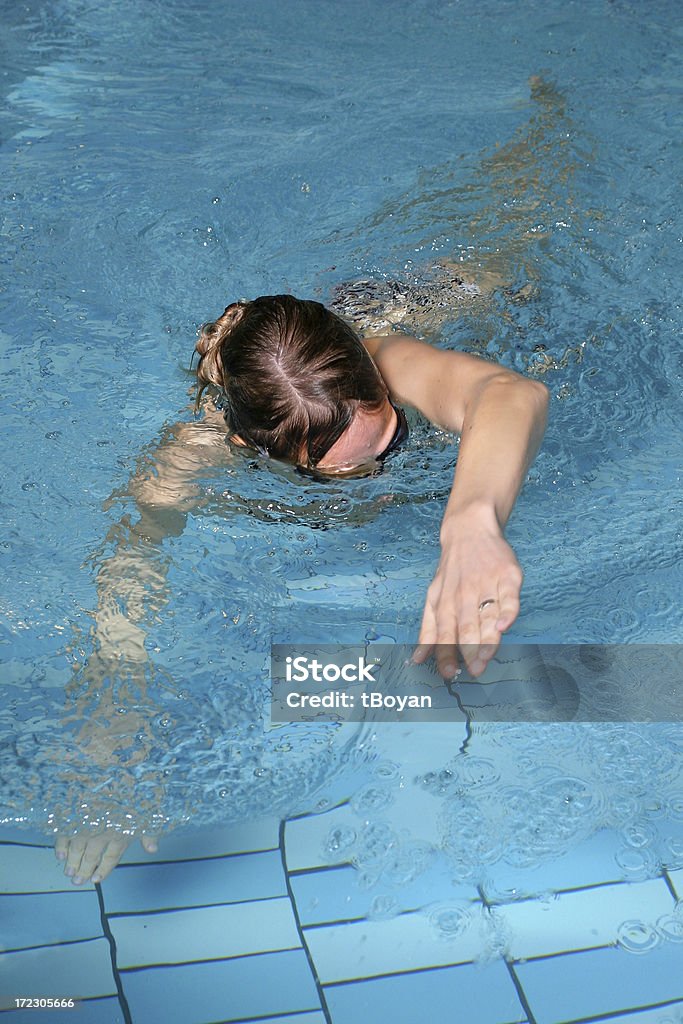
(473, 598)
(91, 858)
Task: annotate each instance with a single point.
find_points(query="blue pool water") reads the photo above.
(162, 159)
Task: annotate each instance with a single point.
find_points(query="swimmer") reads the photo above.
(324, 389)
(297, 383)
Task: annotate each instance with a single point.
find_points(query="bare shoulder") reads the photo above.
(437, 382)
(408, 365)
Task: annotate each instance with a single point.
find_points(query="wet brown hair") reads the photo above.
(292, 375)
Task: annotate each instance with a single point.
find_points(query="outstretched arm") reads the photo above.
(131, 590)
(501, 417)
(131, 581)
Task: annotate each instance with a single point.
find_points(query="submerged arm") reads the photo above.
(501, 417)
(102, 765)
(131, 581)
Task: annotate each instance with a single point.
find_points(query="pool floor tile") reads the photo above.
(579, 986)
(250, 986)
(25, 836)
(206, 933)
(305, 838)
(589, 863)
(32, 869)
(245, 837)
(49, 918)
(403, 943)
(336, 894)
(581, 920)
(195, 883)
(79, 969)
(324, 896)
(471, 994)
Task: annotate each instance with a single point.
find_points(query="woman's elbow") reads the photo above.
(540, 391)
(532, 391)
(540, 395)
(532, 394)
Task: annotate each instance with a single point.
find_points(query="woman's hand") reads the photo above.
(474, 596)
(90, 858)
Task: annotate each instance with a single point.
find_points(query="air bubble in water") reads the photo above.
(407, 863)
(676, 808)
(450, 920)
(673, 852)
(638, 834)
(623, 810)
(371, 798)
(477, 772)
(367, 879)
(653, 807)
(638, 863)
(438, 783)
(377, 842)
(340, 839)
(670, 927)
(637, 937)
(383, 907)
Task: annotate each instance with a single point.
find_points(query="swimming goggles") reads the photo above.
(370, 468)
(400, 434)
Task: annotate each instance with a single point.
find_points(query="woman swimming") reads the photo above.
(297, 383)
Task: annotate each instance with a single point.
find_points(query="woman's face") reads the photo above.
(365, 439)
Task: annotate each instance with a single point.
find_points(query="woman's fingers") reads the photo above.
(74, 852)
(438, 636)
(427, 637)
(99, 858)
(508, 604)
(111, 855)
(489, 636)
(149, 844)
(92, 858)
(466, 626)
